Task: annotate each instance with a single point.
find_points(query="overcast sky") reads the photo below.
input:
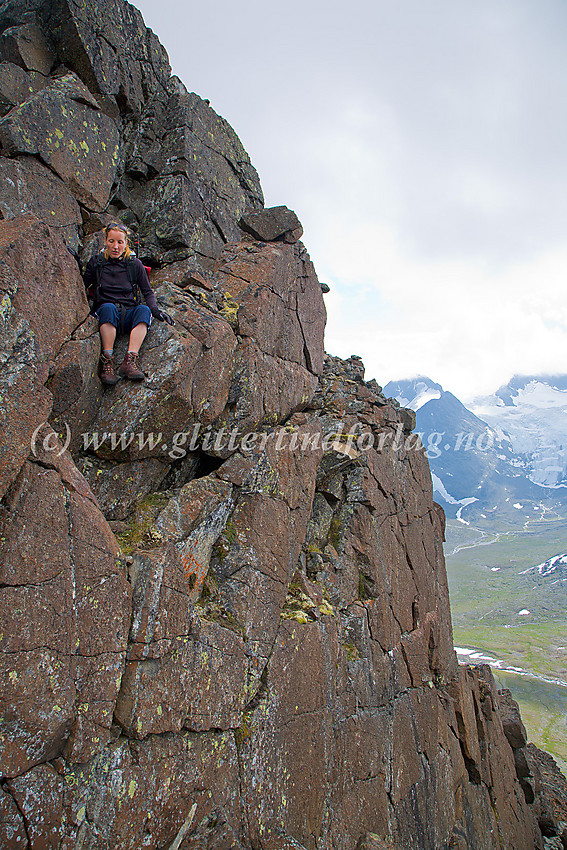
(423, 145)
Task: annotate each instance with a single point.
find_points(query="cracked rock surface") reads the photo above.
(224, 615)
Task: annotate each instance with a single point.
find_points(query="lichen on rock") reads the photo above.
(224, 615)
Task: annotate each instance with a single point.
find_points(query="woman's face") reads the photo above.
(115, 243)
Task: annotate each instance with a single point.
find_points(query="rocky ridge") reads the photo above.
(224, 617)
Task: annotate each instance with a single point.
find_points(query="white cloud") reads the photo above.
(422, 146)
(468, 327)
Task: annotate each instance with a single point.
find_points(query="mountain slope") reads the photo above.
(533, 412)
(477, 466)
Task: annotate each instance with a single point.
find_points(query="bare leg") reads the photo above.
(107, 336)
(137, 336)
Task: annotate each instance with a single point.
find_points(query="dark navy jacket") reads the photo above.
(118, 282)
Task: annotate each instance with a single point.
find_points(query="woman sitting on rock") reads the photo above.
(115, 278)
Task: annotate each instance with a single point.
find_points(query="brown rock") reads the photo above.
(271, 224)
(43, 301)
(551, 790)
(264, 389)
(198, 682)
(196, 279)
(12, 826)
(41, 790)
(371, 841)
(407, 417)
(182, 274)
(277, 841)
(140, 793)
(178, 675)
(76, 387)
(273, 296)
(119, 487)
(489, 759)
(254, 560)
(29, 47)
(27, 186)
(16, 85)
(84, 154)
(64, 618)
(289, 721)
(514, 729)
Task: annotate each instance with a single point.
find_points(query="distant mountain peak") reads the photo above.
(506, 449)
(510, 391)
(414, 392)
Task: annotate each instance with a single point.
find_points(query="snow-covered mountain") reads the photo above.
(508, 453)
(532, 410)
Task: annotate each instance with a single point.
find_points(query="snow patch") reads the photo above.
(548, 566)
(439, 487)
(423, 394)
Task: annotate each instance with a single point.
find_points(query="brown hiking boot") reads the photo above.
(129, 368)
(107, 370)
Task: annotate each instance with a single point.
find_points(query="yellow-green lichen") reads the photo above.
(326, 609)
(229, 308)
(141, 532)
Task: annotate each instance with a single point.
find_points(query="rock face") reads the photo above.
(63, 125)
(262, 657)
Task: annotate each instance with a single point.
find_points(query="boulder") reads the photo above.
(16, 85)
(62, 125)
(75, 386)
(28, 186)
(42, 283)
(29, 47)
(271, 224)
(272, 295)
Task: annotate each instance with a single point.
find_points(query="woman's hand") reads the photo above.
(162, 316)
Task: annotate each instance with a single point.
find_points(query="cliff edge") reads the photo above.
(224, 617)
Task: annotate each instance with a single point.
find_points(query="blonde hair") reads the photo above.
(116, 225)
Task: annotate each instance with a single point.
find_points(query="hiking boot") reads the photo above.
(107, 370)
(130, 369)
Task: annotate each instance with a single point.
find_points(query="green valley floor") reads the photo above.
(512, 616)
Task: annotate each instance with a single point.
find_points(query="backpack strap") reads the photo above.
(92, 291)
(132, 277)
